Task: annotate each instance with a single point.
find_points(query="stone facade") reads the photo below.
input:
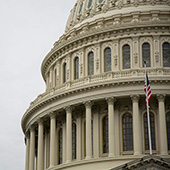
(78, 121)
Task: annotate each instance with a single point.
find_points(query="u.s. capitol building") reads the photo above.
(92, 115)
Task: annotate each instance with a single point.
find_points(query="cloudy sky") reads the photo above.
(28, 29)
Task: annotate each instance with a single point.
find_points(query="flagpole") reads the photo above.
(148, 117)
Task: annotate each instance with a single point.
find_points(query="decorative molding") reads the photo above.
(161, 97)
(110, 100)
(68, 109)
(88, 104)
(135, 98)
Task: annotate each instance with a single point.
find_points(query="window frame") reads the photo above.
(127, 151)
(122, 51)
(155, 129)
(104, 58)
(163, 53)
(64, 72)
(107, 137)
(60, 154)
(76, 68)
(168, 143)
(143, 56)
(88, 64)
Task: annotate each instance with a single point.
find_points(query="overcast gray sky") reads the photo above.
(28, 29)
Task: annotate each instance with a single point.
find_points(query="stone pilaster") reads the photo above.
(40, 158)
(111, 125)
(137, 131)
(96, 133)
(88, 106)
(162, 125)
(79, 131)
(68, 134)
(32, 148)
(52, 140)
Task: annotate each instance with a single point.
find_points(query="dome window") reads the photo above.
(126, 56)
(74, 141)
(127, 132)
(81, 6)
(105, 135)
(168, 128)
(91, 63)
(76, 68)
(60, 138)
(107, 59)
(90, 3)
(152, 125)
(146, 54)
(166, 54)
(64, 72)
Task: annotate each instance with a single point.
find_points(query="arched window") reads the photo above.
(60, 141)
(64, 72)
(146, 54)
(91, 63)
(105, 135)
(74, 141)
(127, 132)
(76, 68)
(152, 125)
(107, 59)
(81, 6)
(126, 56)
(168, 128)
(166, 54)
(90, 3)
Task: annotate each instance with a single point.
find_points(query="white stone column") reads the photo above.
(137, 132)
(64, 142)
(88, 130)
(162, 125)
(96, 133)
(32, 149)
(40, 157)
(68, 134)
(111, 124)
(27, 152)
(79, 138)
(52, 140)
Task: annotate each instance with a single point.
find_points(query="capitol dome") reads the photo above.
(93, 113)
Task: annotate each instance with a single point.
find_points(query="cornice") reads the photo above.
(49, 98)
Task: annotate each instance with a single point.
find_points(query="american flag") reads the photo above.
(147, 89)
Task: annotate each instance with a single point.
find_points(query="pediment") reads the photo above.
(146, 163)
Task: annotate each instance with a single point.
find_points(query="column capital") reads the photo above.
(161, 97)
(32, 127)
(27, 134)
(52, 115)
(40, 121)
(68, 108)
(135, 98)
(110, 100)
(88, 104)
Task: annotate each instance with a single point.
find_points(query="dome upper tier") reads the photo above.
(85, 11)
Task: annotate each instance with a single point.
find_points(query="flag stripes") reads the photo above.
(147, 89)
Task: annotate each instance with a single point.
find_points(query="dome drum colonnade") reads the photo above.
(100, 26)
(114, 143)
